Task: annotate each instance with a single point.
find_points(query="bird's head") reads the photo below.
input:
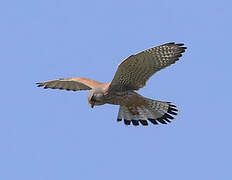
(95, 98)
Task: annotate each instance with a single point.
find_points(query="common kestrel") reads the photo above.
(131, 75)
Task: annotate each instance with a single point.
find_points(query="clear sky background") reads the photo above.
(55, 135)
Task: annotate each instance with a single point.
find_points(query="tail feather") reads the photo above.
(154, 111)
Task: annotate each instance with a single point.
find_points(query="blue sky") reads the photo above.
(51, 134)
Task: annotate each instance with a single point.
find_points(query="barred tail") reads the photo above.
(154, 111)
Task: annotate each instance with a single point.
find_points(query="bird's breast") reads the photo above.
(120, 98)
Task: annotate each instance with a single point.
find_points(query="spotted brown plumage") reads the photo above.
(131, 75)
(134, 71)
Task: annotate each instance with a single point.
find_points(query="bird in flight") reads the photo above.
(131, 75)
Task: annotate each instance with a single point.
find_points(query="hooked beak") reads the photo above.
(92, 105)
(92, 101)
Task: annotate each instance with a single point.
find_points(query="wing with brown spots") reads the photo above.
(135, 70)
(74, 84)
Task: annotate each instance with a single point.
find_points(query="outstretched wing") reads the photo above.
(134, 71)
(74, 84)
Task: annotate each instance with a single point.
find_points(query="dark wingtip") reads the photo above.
(161, 120)
(119, 119)
(127, 122)
(143, 122)
(171, 105)
(135, 122)
(153, 121)
(39, 84)
(177, 44)
(180, 44)
(170, 43)
(166, 118)
(181, 47)
(173, 113)
(172, 109)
